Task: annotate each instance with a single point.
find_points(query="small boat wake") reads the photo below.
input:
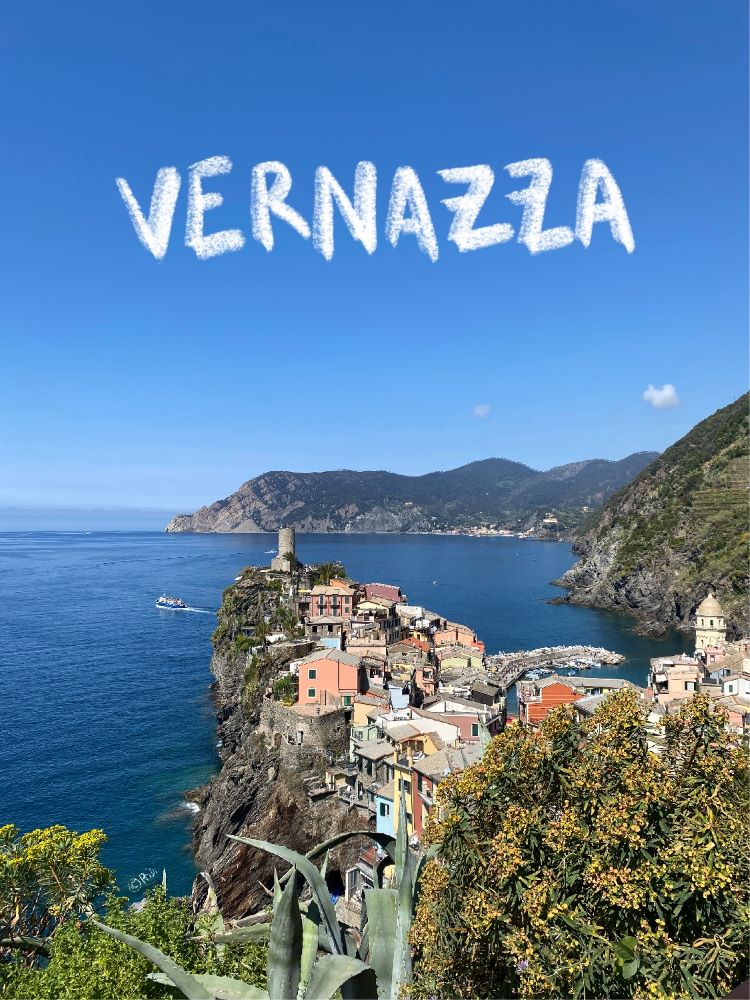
(165, 603)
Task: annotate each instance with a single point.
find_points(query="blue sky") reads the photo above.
(141, 384)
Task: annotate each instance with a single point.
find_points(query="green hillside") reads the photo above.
(681, 524)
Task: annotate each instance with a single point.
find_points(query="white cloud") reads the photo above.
(481, 410)
(662, 399)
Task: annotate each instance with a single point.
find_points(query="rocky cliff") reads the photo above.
(258, 792)
(492, 491)
(680, 528)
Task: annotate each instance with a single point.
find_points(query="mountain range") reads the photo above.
(493, 491)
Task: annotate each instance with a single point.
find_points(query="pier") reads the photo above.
(507, 668)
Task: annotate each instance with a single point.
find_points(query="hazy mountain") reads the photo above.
(491, 491)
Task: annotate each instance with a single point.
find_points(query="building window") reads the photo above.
(312, 674)
(347, 699)
(385, 809)
(419, 782)
(475, 729)
(712, 623)
(311, 692)
(404, 785)
(690, 685)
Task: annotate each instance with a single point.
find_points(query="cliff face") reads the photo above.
(491, 491)
(258, 792)
(678, 529)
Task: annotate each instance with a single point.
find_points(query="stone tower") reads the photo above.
(280, 562)
(710, 624)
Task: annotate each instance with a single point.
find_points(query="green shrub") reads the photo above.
(285, 688)
(87, 964)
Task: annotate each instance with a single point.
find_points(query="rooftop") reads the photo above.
(710, 606)
(315, 709)
(447, 761)
(332, 654)
(386, 792)
(374, 751)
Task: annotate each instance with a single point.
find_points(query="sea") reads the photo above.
(106, 715)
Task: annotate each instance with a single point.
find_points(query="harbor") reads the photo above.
(507, 668)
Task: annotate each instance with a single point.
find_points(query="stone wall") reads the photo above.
(305, 734)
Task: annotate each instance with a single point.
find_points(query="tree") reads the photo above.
(323, 573)
(47, 876)
(575, 862)
(285, 688)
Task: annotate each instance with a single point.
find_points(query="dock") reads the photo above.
(507, 668)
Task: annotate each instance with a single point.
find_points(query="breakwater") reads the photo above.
(507, 668)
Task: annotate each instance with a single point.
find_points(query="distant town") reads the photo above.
(392, 697)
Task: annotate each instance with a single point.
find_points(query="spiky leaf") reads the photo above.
(314, 880)
(381, 934)
(187, 983)
(329, 975)
(310, 941)
(240, 935)
(383, 840)
(220, 987)
(405, 871)
(285, 945)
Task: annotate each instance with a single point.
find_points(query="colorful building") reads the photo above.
(428, 772)
(710, 625)
(457, 635)
(467, 716)
(336, 600)
(536, 699)
(387, 590)
(329, 677)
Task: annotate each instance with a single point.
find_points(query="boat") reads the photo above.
(165, 603)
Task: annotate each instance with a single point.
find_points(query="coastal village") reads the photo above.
(392, 697)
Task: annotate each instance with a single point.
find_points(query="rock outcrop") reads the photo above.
(492, 491)
(679, 529)
(259, 791)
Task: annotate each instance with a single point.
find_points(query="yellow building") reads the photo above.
(710, 625)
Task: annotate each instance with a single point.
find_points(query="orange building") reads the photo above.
(457, 635)
(329, 677)
(536, 699)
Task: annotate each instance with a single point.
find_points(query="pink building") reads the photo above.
(336, 600)
(386, 590)
(467, 716)
(329, 677)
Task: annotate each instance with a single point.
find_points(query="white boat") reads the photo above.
(165, 603)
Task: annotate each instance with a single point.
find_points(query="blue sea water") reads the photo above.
(106, 713)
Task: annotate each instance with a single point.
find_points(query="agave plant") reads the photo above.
(294, 970)
(373, 965)
(384, 942)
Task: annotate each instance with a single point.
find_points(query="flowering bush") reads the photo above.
(575, 862)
